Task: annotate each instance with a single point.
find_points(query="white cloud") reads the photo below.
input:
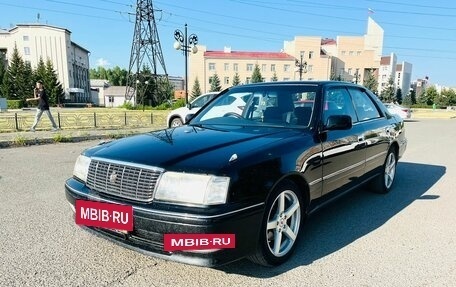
(103, 62)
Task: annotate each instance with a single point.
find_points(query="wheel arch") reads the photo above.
(300, 182)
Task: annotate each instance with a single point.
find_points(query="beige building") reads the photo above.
(348, 58)
(70, 60)
(204, 64)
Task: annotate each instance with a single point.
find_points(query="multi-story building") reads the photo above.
(349, 58)
(226, 64)
(403, 77)
(70, 60)
(420, 86)
(387, 71)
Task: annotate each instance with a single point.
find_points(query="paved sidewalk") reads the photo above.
(25, 138)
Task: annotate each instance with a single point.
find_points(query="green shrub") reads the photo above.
(15, 104)
(179, 103)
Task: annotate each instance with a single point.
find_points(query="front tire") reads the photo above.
(281, 225)
(383, 182)
(176, 122)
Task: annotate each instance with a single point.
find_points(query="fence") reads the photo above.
(78, 120)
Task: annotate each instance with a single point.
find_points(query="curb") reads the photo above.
(68, 138)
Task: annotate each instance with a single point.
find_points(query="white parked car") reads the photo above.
(403, 112)
(177, 117)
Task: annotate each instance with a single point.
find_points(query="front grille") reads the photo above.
(136, 182)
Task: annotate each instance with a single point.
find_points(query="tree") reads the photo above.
(40, 72)
(14, 86)
(196, 90)
(2, 70)
(413, 96)
(387, 95)
(52, 85)
(29, 83)
(256, 75)
(370, 82)
(116, 76)
(274, 77)
(407, 100)
(429, 96)
(215, 83)
(399, 96)
(450, 96)
(236, 80)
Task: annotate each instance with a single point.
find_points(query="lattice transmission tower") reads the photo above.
(145, 52)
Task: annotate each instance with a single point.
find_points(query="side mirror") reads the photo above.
(338, 122)
(189, 106)
(188, 118)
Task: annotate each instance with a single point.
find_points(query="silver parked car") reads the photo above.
(404, 112)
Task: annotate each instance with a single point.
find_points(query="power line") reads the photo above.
(85, 6)
(414, 5)
(60, 11)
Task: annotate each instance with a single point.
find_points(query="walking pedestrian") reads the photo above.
(43, 106)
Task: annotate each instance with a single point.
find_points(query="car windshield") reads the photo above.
(272, 105)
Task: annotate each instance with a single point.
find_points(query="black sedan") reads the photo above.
(240, 177)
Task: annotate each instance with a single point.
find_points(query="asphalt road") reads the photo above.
(406, 238)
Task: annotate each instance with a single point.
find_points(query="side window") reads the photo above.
(338, 102)
(364, 106)
(198, 103)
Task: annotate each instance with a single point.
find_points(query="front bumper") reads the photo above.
(151, 224)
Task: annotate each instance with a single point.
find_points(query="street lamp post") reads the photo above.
(186, 45)
(301, 65)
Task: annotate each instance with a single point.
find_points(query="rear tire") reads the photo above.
(281, 226)
(383, 182)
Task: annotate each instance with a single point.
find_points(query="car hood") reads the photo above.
(190, 148)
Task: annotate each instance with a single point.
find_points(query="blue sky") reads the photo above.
(422, 33)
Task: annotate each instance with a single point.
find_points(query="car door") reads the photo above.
(378, 131)
(343, 150)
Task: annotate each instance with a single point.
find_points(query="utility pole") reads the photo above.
(145, 50)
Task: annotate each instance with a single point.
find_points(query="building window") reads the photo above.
(247, 80)
(349, 71)
(286, 79)
(27, 62)
(226, 80)
(311, 54)
(350, 53)
(235, 67)
(272, 67)
(263, 67)
(226, 67)
(358, 53)
(286, 68)
(249, 67)
(111, 99)
(26, 51)
(25, 38)
(211, 66)
(343, 53)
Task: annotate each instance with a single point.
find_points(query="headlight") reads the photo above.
(81, 167)
(192, 188)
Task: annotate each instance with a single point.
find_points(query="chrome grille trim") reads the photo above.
(123, 179)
